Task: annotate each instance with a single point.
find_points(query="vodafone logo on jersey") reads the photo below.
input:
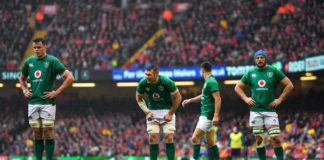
(156, 96)
(261, 83)
(37, 74)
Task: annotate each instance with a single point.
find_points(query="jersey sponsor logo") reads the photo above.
(161, 88)
(37, 74)
(156, 96)
(253, 75)
(31, 65)
(147, 89)
(261, 83)
(270, 74)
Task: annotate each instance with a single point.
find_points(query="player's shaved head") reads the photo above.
(207, 66)
(153, 67)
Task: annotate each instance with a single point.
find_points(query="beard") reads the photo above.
(261, 65)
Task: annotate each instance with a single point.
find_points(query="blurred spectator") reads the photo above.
(97, 127)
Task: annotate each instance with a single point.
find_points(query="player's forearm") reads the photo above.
(67, 82)
(195, 99)
(141, 103)
(239, 91)
(23, 84)
(218, 103)
(287, 90)
(176, 102)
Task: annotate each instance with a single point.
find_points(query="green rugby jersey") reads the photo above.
(207, 99)
(159, 94)
(263, 85)
(42, 75)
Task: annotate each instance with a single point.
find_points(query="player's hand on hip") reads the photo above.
(215, 120)
(184, 102)
(50, 95)
(275, 103)
(149, 116)
(167, 117)
(250, 101)
(28, 93)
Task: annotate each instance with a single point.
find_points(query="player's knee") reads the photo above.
(195, 139)
(210, 142)
(259, 136)
(38, 134)
(153, 138)
(48, 133)
(259, 140)
(276, 141)
(168, 138)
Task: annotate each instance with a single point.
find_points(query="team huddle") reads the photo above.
(163, 99)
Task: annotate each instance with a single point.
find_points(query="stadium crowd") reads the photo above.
(101, 127)
(15, 32)
(229, 33)
(105, 34)
(101, 34)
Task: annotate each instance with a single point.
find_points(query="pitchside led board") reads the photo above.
(172, 73)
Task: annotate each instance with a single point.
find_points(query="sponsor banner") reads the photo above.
(172, 73)
(233, 71)
(80, 75)
(295, 66)
(180, 7)
(49, 9)
(315, 63)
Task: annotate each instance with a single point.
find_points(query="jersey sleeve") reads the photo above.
(171, 86)
(213, 86)
(280, 75)
(58, 67)
(140, 87)
(24, 70)
(245, 79)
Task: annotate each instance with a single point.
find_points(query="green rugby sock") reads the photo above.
(215, 152)
(261, 153)
(39, 149)
(49, 148)
(279, 153)
(196, 151)
(154, 151)
(170, 151)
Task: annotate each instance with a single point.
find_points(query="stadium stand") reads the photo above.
(15, 32)
(229, 32)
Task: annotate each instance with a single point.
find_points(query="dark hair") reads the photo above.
(154, 67)
(36, 40)
(207, 66)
